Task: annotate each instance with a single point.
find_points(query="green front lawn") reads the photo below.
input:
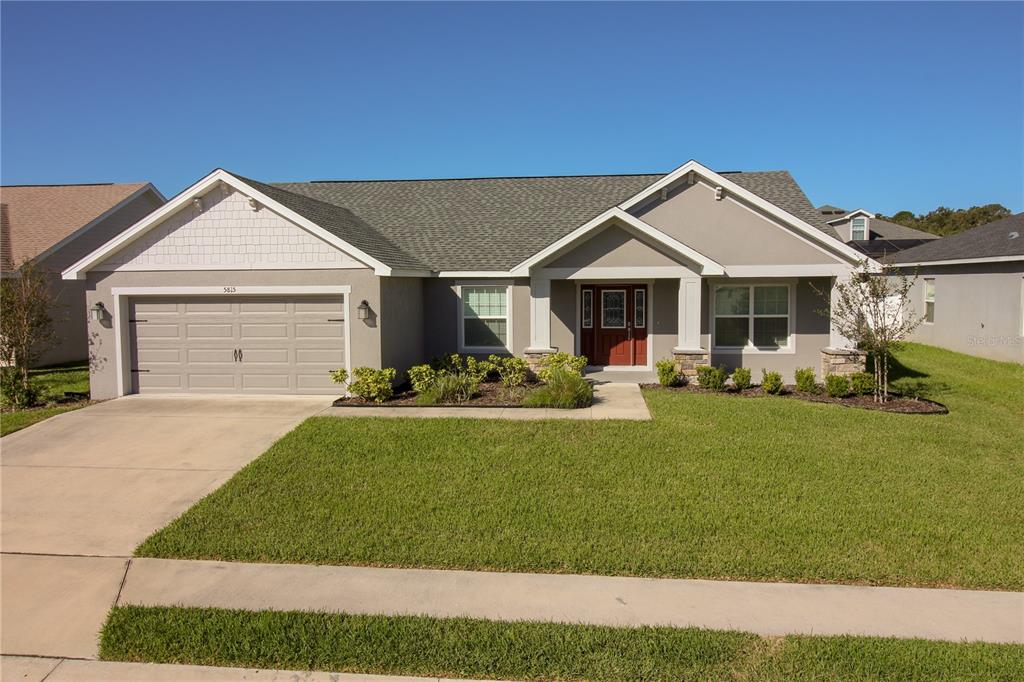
(461, 647)
(52, 382)
(715, 487)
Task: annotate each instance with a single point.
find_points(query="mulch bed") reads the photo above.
(489, 394)
(896, 402)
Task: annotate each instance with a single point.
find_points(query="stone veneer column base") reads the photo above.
(844, 361)
(533, 357)
(688, 360)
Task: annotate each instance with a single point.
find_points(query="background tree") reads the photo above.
(26, 330)
(946, 221)
(871, 309)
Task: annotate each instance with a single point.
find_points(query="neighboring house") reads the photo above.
(54, 226)
(872, 236)
(970, 290)
(240, 286)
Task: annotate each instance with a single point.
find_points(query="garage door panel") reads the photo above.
(288, 344)
(211, 380)
(266, 356)
(201, 356)
(264, 331)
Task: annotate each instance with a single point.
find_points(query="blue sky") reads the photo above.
(886, 106)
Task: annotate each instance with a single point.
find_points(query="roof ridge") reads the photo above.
(77, 184)
(508, 177)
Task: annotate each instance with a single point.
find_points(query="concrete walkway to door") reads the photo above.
(81, 490)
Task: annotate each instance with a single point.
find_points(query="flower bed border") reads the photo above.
(791, 393)
(399, 400)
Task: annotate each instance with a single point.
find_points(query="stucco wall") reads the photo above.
(69, 314)
(401, 322)
(364, 336)
(727, 231)
(978, 309)
(441, 316)
(613, 247)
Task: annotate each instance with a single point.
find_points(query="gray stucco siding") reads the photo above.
(364, 338)
(727, 230)
(441, 316)
(978, 309)
(613, 247)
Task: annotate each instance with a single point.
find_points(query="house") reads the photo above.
(53, 226)
(970, 289)
(871, 235)
(237, 285)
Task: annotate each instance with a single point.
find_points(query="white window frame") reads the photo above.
(463, 348)
(928, 280)
(750, 348)
(584, 322)
(853, 229)
(625, 307)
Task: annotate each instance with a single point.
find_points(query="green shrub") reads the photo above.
(862, 383)
(712, 378)
(368, 383)
(837, 385)
(462, 364)
(14, 392)
(667, 374)
(511, 370)
(449, 388)
(771, 382)
(805, 380)
(564, 389)
(741, 378)
(421, 377)
(571, 363)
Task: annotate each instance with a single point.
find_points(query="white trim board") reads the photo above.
(122, 295)
(851, 215)
(200, 188)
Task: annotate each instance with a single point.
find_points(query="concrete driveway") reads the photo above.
(80, 491)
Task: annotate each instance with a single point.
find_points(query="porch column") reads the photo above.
(689, 315)
(540, 316)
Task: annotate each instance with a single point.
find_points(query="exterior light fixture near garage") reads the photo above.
(363, 310)
(98, 311)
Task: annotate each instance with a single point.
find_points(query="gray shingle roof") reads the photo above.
(1003, 237)
(886, 230)
(485, 223)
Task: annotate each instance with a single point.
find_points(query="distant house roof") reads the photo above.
(491, 223)
(886, 230)
(830, 210)
(34, 218)
(1003, 238)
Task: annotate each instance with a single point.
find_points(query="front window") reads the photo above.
(859, 229)
(752, 316)
(929, 301)
(485, 317)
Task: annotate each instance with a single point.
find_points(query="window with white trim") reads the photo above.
(588, 308)
(752, 316)
(485, 323)
(859, 229)
(929, 301)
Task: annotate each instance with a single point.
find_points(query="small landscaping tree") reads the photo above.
(872, 310)
(26, 330)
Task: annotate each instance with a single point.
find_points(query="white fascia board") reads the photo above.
(709, 266)
(852, 214)
(78, 270)
(836, 270)
(961, 261)
(806, 228)
(483, 274)
(100, 218)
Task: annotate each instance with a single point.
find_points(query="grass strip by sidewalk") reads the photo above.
(461, 647)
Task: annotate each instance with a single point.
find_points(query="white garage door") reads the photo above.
(236, 345)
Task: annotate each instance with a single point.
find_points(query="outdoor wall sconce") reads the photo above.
(363, 310)
(98, 311)
(198, 203)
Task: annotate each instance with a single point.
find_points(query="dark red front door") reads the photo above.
(613, 324)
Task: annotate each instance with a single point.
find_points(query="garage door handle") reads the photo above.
(340, 319)
(234, 354)
(239, 354)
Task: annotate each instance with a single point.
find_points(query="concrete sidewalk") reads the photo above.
(611, 401)
(768, 609)
(31, 669)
